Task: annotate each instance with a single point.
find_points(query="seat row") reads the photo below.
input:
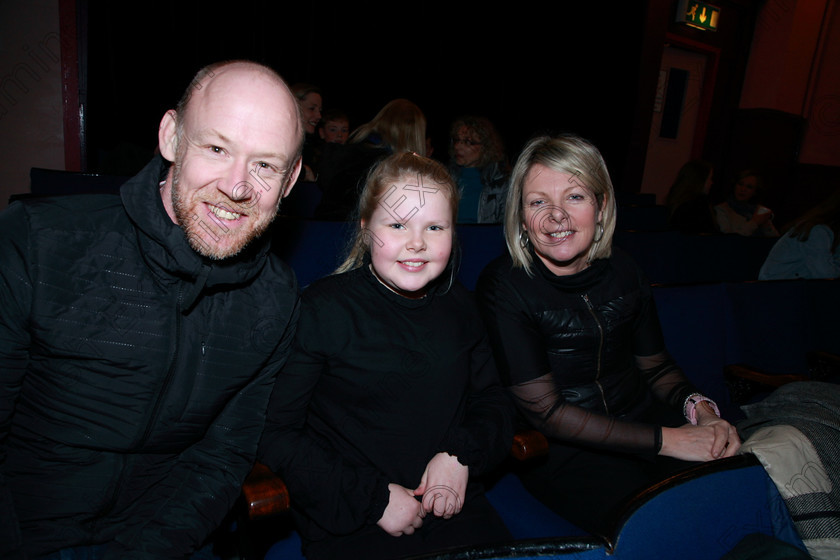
(666, 257)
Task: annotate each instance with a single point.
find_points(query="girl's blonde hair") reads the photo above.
(381, 180)
(566, 154)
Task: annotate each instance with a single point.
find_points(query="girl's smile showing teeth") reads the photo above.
(412, 264)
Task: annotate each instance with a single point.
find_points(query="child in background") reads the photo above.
(390, 401)
(334, 127)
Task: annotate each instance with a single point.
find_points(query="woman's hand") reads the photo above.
(443, 486)
(709, 440)
(727, 442)
(404, 513)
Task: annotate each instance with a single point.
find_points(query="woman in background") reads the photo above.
(479, 166)
(741, 213)
(400, 126)
(310, 102)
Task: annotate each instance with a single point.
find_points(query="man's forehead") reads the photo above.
(259, 104)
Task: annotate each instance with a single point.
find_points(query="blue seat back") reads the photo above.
(695, 321)
(704, 513)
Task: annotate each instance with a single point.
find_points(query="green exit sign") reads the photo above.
(698, 14)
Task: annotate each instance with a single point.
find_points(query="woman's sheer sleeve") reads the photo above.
(543, 405)
(666, 380)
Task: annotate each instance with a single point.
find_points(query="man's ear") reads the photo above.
(167, 135)
(292, 178)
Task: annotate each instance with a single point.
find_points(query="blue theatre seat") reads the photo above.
(524, 515)
(312, 248)
(479, 244)
(777, 323)
(771, 326)
(670, 257)
(699, 514)
(694, 320)
(703, 513)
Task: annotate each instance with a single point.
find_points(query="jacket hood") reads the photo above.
(164, 245)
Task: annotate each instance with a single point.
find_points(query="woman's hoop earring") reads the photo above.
(600, 234)
(523, 239)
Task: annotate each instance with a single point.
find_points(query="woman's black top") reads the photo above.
(582, 354)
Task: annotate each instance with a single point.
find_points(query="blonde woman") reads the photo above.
(577, 341)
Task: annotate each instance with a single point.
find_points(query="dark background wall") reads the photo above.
(529, 66)
(585, 67)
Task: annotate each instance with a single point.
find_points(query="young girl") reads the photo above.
(390, 401)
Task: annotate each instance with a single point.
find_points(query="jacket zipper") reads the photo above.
(591, 309)
(169, 374)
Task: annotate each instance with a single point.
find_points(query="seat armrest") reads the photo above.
(769, 379)
(265, 493)
(528, 444)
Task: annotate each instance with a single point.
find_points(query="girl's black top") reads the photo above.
(377, 385)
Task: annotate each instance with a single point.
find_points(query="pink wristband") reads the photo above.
(690, 406)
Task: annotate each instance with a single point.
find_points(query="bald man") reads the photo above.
(140, 334)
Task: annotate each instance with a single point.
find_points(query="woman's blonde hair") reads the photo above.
(567, 154)
(400, 124)
(381, 179)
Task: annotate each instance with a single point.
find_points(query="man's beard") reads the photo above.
(193, 226)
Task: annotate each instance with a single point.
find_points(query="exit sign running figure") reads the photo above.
(699, 15)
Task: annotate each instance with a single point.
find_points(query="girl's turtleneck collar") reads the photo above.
(437, 286)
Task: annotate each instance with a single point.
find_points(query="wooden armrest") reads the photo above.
(265, 493)
(528, 444)
(745, 383)
(768, 379)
